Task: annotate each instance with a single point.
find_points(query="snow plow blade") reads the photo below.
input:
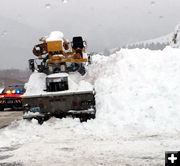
(60, 104)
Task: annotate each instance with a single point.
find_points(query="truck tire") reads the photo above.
(84, 118)
(1, 108)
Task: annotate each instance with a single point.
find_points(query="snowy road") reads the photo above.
(137, 97)
(65, 142)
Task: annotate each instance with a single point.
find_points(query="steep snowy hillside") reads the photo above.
(153, 44)
(172, 39)
(137, 97)
(175, 42)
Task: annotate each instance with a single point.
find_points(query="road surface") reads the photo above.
(6, 117)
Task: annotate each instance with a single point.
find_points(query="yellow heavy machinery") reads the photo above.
(58, 56)
(61, 56)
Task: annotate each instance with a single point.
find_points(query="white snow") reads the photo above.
(37, 84)
(172, 39)
(57, 75)
(137, 102)
(55, 36)
(153, 44)
(163, 39)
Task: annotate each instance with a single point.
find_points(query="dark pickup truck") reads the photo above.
(11, 97)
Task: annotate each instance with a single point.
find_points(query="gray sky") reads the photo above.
(103, 23)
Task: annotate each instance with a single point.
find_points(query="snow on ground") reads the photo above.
(137, 97)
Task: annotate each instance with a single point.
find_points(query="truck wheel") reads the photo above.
(14, 108)
(17, 108)
(1, 108)
(87, 117)
(83, 119)
(92, 116)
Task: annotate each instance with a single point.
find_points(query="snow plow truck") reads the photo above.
(54, 88)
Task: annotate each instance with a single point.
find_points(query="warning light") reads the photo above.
(8, 92)
(1, 96)
(18, 91)
(13, 91)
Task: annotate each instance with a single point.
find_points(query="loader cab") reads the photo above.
(78, 47)
(77, 43)
(57, 82)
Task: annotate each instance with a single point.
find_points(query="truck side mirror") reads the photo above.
(85, 44)
(31, 65)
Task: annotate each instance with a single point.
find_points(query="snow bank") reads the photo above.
(138, 88)
(36, 84)
(135, 88)
(137, 97)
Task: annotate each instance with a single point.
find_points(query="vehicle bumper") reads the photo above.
(9, 102)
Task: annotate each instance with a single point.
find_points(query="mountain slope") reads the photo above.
(153, 44)
(172, 39)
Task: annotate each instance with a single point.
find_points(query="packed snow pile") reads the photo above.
(36, 84)
(175, 41)
(137, 102)
(135, 87)
(138, 87)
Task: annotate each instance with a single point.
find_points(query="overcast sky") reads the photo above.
(103, 23)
